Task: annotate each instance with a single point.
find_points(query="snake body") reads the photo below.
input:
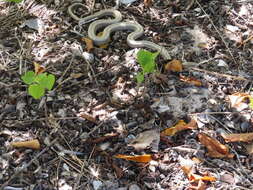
(112, 25)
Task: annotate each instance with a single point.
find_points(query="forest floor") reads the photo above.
(188, 128)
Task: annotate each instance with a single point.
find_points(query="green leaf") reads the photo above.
(47, 81)
(15, 1)
(50, 81)
(36, 91)
(28, 77)
(140, 77)
(147, 60)
(40, 77)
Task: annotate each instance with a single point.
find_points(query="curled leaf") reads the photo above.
(174, 66)
(33, 144)
(89, 43)
(214, 147)
(188, 165)
(238, 137)
(138, 158)
(191, 80)
(38, 68)
(180, 126)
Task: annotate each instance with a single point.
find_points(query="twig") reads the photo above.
(220, 74)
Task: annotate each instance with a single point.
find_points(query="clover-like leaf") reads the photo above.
(36, 91)
(50, 81)
(40, 78)
(147, 60)
(28, 77)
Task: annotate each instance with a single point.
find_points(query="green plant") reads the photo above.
(38, 83)
(15, 1)
(147, 61)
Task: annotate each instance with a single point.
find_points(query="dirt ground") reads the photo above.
(97, 111)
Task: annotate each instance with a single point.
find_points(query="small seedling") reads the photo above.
(147, 61)
(38, 83)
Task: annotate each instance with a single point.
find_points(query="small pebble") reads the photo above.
(134, 187)
(88, 57)
(222, 63)
(97, 184)
(245, 126)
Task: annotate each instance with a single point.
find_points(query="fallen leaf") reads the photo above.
(33, 144)
(89, 43)
(214, 147)
(87, 116)
(191, 80)
(147, 3)
(203, 45)
(195, 177)
(180, 126)
(238, 137)
(145, 139)
(76, 75)
(138, 158)
(239, 100)
(187, 165)
(174, 66)
(38, 68)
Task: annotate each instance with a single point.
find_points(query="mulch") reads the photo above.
(97, 108)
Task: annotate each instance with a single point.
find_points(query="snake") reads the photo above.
(115, 24)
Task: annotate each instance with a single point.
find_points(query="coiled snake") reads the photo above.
(112, 25)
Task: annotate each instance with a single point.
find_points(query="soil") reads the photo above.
(97, 110)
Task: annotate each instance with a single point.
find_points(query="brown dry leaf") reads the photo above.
(138, 158)
(191, 80)
(147, 3)
(187, 165)
(180, 126)
(33, 144)
(89, 43)
(195, 177)
(238, 137)
(76, 75)
(88, 117)
(174, 66)
(237, 100)
(145, 139)
(203, 45)
(214, 147)
(38, 68)
(103, 138)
